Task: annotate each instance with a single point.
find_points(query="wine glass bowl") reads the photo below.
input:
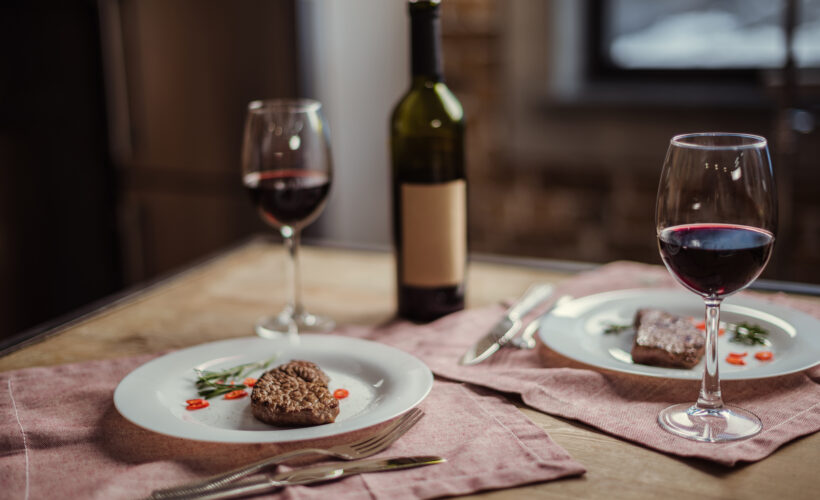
(287, 170)
(716, 219)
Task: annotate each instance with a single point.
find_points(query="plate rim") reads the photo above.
(422, 386)
(774, 309)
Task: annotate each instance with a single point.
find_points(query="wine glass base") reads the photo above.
(728, 423)
(287, 325)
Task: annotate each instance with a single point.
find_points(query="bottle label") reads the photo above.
(434, 233)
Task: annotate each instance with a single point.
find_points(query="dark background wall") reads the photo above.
(120, 128)
(120, 125)
(575, 176)
(58, 243)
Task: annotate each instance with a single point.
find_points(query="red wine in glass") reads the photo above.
(715, 259)
(287, 169)
(288, 197)
(716, 217)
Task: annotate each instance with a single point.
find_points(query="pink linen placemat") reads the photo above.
(621, 404)
(60, 436)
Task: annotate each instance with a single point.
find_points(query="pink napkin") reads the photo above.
(59, 432)
(621, 404)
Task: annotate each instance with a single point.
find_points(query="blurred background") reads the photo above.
(121, 120)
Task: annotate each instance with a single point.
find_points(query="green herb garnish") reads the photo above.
(614, 328)
(210, 384)
(748, 334)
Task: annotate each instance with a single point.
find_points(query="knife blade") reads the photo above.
(508, 326)
(262, 483)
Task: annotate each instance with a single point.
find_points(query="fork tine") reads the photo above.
(387, 430)
(388, 438)
(399, 423)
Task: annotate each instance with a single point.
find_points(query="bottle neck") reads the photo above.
(425, 43)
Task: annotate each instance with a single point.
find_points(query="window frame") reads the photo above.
(601, 68)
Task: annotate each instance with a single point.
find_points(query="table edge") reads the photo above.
(54, 326)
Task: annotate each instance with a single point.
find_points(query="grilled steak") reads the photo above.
(294, 394)
(664, 339)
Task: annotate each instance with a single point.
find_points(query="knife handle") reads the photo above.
(531, 298)
(254, 485)
(220, 480)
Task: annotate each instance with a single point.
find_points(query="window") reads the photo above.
(664, 35)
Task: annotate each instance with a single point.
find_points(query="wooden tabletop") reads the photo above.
(223, 297)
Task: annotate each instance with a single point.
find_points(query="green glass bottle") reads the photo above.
(428, 180)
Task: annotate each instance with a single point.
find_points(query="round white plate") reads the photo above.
(383, 382)
(575, 329)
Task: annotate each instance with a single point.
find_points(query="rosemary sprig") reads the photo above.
(748, 334)
(210, 384)
(615, 328)
(210, 390)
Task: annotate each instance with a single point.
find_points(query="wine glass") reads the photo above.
(287, 169)
(716, 219)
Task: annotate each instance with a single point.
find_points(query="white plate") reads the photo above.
(575, 330)
(383, 382)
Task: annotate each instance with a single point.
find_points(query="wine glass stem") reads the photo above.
(710, 397)
(291, 237)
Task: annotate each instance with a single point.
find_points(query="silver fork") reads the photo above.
(362, 448)
(527, 338)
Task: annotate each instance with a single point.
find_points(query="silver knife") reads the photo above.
(262, 483)
(508, 326)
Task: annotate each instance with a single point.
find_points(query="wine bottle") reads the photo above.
(428, 180)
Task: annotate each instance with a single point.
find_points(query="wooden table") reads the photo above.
(222, 298)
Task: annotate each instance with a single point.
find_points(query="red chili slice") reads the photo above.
(250, 381)
(764, 355)
(341, 393)
(738, 354)
(194, 401)
(239, 393)
(734, 360)
(198, 405)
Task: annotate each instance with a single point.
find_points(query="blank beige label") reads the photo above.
(434, 233)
